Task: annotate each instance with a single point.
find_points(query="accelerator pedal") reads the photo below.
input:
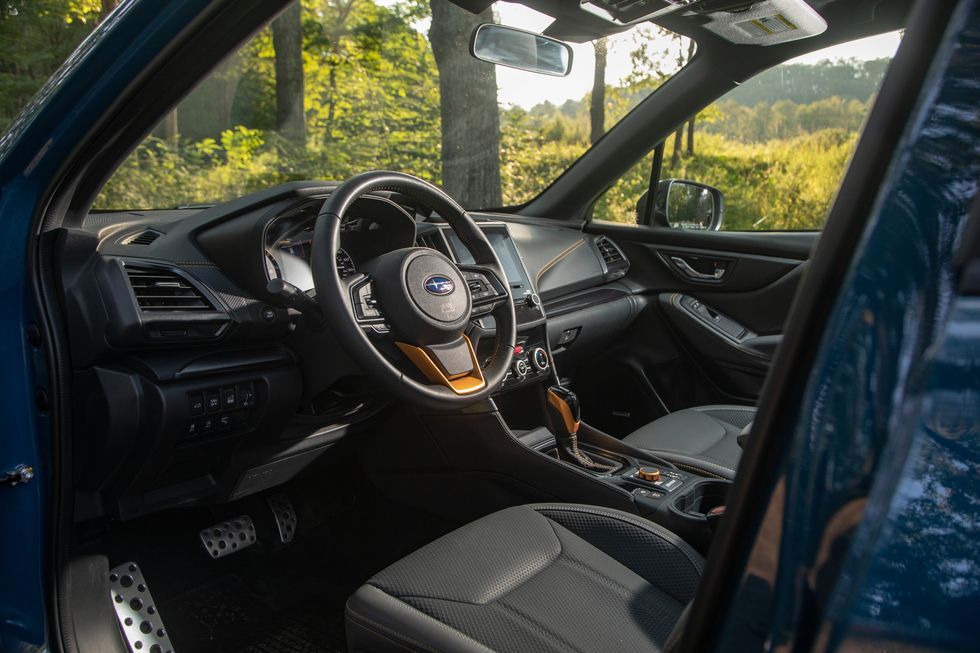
(228, 537)
(137, 613)
(285, 516)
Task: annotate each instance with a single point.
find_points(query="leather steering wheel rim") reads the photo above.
(333, 292)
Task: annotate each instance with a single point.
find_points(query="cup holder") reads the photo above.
(701, 498)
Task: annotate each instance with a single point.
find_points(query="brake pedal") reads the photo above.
(137, 613)
(285, 516)
(228, 537)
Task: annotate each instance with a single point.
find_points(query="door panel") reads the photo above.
(706, 337)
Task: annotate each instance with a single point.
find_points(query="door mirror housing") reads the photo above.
(516, 48)
(683, 204)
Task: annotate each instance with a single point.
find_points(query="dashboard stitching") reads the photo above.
(550, 264)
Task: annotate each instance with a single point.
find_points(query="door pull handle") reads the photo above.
(686, 268)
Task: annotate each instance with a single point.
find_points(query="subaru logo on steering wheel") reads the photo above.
(439, 285)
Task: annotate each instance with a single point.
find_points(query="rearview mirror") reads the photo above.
(686, 204)
(515, 48)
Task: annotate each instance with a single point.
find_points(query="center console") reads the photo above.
(684, 503)
(605, 470)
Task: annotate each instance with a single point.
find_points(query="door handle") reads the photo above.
(686, 268)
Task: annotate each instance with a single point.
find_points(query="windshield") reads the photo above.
(332, 88)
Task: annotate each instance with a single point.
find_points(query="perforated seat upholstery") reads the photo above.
(702, 439)
(544, 577)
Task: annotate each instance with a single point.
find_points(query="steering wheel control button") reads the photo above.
(345, 265)
(480, 287)
(539, 358)
(366, 306)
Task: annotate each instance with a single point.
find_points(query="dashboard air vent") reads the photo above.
(143, 238)
(158, 290)
(610, 253)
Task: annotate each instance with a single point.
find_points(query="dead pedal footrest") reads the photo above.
(228, 537)
(285, 516)
(141, 623)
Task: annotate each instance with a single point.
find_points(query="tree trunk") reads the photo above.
(690, 135)
(287, 40)
(336, 31)
(468, 108)
(675, 156)
(597, 109)
(170, 128)
(690, 123)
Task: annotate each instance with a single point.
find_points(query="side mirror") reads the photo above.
(515, 48)
(686, 204)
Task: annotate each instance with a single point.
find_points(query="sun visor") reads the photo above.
(767, 23)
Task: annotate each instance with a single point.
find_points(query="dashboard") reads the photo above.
(198, 385)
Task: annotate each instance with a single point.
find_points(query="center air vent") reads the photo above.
(143, 238)
(159, 290)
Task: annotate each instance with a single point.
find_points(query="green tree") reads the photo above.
(36, 36)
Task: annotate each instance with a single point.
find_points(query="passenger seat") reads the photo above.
(704, 439)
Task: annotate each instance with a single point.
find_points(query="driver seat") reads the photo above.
(542, 577)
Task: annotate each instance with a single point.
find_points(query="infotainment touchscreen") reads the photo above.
(506, 251)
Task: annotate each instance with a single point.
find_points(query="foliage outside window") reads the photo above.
(777, 146)
(335, 87)
(388, 84)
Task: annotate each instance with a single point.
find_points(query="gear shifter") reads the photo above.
(566, 417)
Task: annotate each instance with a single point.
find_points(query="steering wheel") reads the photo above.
(418, 299)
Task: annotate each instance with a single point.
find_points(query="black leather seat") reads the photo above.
(704, 439)
(544, 577)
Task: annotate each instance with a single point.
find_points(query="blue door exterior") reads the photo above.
(32, 154)
(876, 511)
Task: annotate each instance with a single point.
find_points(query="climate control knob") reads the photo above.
(539, 358)
(521, 368)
